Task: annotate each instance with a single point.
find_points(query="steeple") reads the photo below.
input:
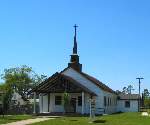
(75, 40)
(74, 61)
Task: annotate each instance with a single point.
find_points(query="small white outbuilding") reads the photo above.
(128, 103)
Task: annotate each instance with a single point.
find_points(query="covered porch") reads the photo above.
(52, 93)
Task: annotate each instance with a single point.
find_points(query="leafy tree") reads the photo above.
(146, 98)
(146, 93)
(66, 101)
(6, 93)
(128, 89)
(22, 79)
(124, 90)
(147, 102)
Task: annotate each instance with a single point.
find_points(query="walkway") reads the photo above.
(29, 121)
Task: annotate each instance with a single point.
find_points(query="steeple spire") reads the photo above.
(75, 40)
(74, 60)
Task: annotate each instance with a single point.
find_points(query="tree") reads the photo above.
(146, 98)
(124, 90)
(22, 79)
(146, 93)
(147, 102)
(129, 89)
(66, 101)
(5, 97)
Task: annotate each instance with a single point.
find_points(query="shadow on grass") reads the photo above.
(117, 113)
(13, 119)
(74, 120)
(99, 121)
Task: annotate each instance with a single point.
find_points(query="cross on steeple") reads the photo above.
(75, 41)
(75, 27)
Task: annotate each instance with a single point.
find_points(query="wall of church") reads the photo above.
(100, 93)
(43, 103)
(53, 107)
(99, 99)
(111, 102)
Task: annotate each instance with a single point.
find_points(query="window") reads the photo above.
(104, 100)
(58, 100)
(110, 101)
(79, 100)
(127, 104)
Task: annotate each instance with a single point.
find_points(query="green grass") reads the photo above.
(115, 119)
(13, 118)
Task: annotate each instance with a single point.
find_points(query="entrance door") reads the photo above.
(73, 105)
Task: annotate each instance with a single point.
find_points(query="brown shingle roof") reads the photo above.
(92, 79)
(129, 96)
(95, 81)
(98, 83)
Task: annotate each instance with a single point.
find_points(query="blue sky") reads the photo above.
(113, 37)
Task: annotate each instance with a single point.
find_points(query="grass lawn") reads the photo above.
(14, 118)
(115, 119)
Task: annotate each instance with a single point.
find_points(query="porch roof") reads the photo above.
(59, 83)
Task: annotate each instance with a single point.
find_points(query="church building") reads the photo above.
(73, 91)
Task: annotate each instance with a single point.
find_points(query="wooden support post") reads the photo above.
(82, 102)
(48, 102)
(34, 110)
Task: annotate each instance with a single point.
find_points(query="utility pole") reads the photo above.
(139, 103)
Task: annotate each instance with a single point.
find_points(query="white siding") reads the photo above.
(60, 108)
(94, 88)
(45, 103)
(82, 80)
(133, 106)
(112, 107)
(53, 107)
(40, 103)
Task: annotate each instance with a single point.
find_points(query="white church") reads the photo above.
(84, 92)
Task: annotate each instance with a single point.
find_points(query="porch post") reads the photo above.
(34, 111)
(41, 102)
(48, 102)
(82, 102)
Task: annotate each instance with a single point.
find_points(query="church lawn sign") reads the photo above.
(13, 118)
(114, 119)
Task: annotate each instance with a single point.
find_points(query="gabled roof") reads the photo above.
(80, 85)
(46, 85)
(94, 80)
(98, 83)
(129, 96)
